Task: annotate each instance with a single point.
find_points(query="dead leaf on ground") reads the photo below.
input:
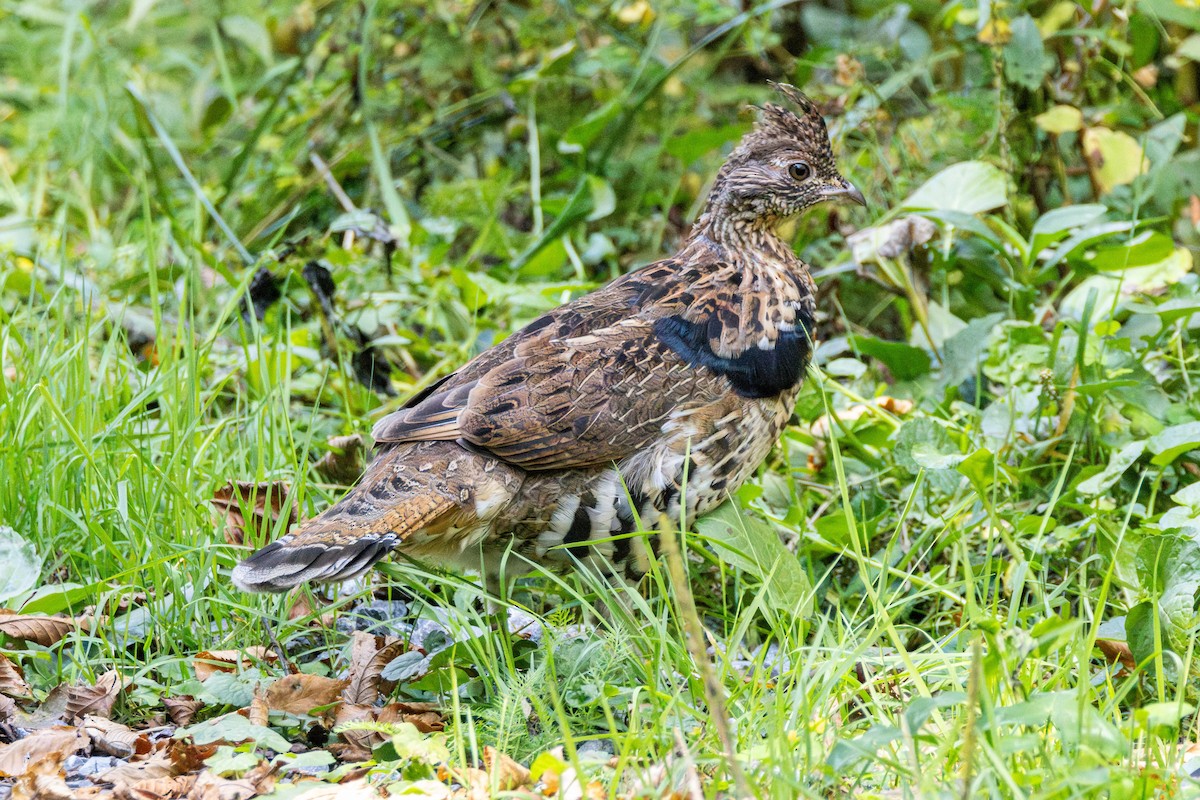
(95, 699)
(209, 786)
(239, 502)
(8, 709)
(164, 788)
(114, 738)
(46, 631)
(1117, 652)
(181, 709)
(301, 607)
(507, 774)
(425, 717)
(12, 681)
(344, 462)
(130, 773)
(259, 711)
(368, 656)
(43, 779)
(359, 740)
(70, 702)
(188, 757)
(59, 742)
(208, 662)
(301, 693)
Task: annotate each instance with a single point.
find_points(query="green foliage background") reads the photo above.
(229, 233)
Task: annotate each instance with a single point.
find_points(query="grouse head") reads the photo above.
(779, 169)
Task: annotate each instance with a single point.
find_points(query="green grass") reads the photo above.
(949, 566)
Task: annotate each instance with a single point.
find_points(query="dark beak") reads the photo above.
(845, 190)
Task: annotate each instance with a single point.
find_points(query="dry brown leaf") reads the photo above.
(349, 753)
(114, 738)
(301, 693)
(59, 741)
(8, 709)
(239, 502)
(368, 656)
(43, 780)
(155, 767)
(259, 712)
(187, 757)
(1117, 652)
(97, 699)
(208, 662)
(46, 631)
(164, 788)
(181, 709)
(12, 682)
(344, 462)
(424, 716)
(504, 773)
(359, 740)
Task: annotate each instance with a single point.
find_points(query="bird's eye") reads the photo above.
(799, 171)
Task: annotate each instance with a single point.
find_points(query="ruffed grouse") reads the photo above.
(666, 388)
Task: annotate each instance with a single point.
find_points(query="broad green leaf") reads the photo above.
(1136, 280)
(753, 546)
(1120, 461)
(229, 688)
(864, 746)
(234, 728)
(924, 444)
(1172, 442)
(1081, 725)
(1024, 55)
(1183, 12)
(409, 744)
(1116, 157)
(581, 134)
(20, 566)
(980, 469)
(1168, 566)
(1060, 119)
(1148, 247)
(702, 140)
(1057, 223)
(251, 33)
(227, 761)
(290, 762)
(406, 666)
(943, 325)
(1139, 631)
(604, 199)
(1154, 717)
(904, 361)
(971, 187)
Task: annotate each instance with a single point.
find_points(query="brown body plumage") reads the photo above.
(664, 389)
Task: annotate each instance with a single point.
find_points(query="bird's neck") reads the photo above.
(741, 239)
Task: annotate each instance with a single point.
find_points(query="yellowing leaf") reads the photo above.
(1058, 17)
(1116, 157)
(996, 31)
(1060, 119)
(639, 13)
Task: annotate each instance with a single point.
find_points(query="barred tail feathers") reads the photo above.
(341, 543)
